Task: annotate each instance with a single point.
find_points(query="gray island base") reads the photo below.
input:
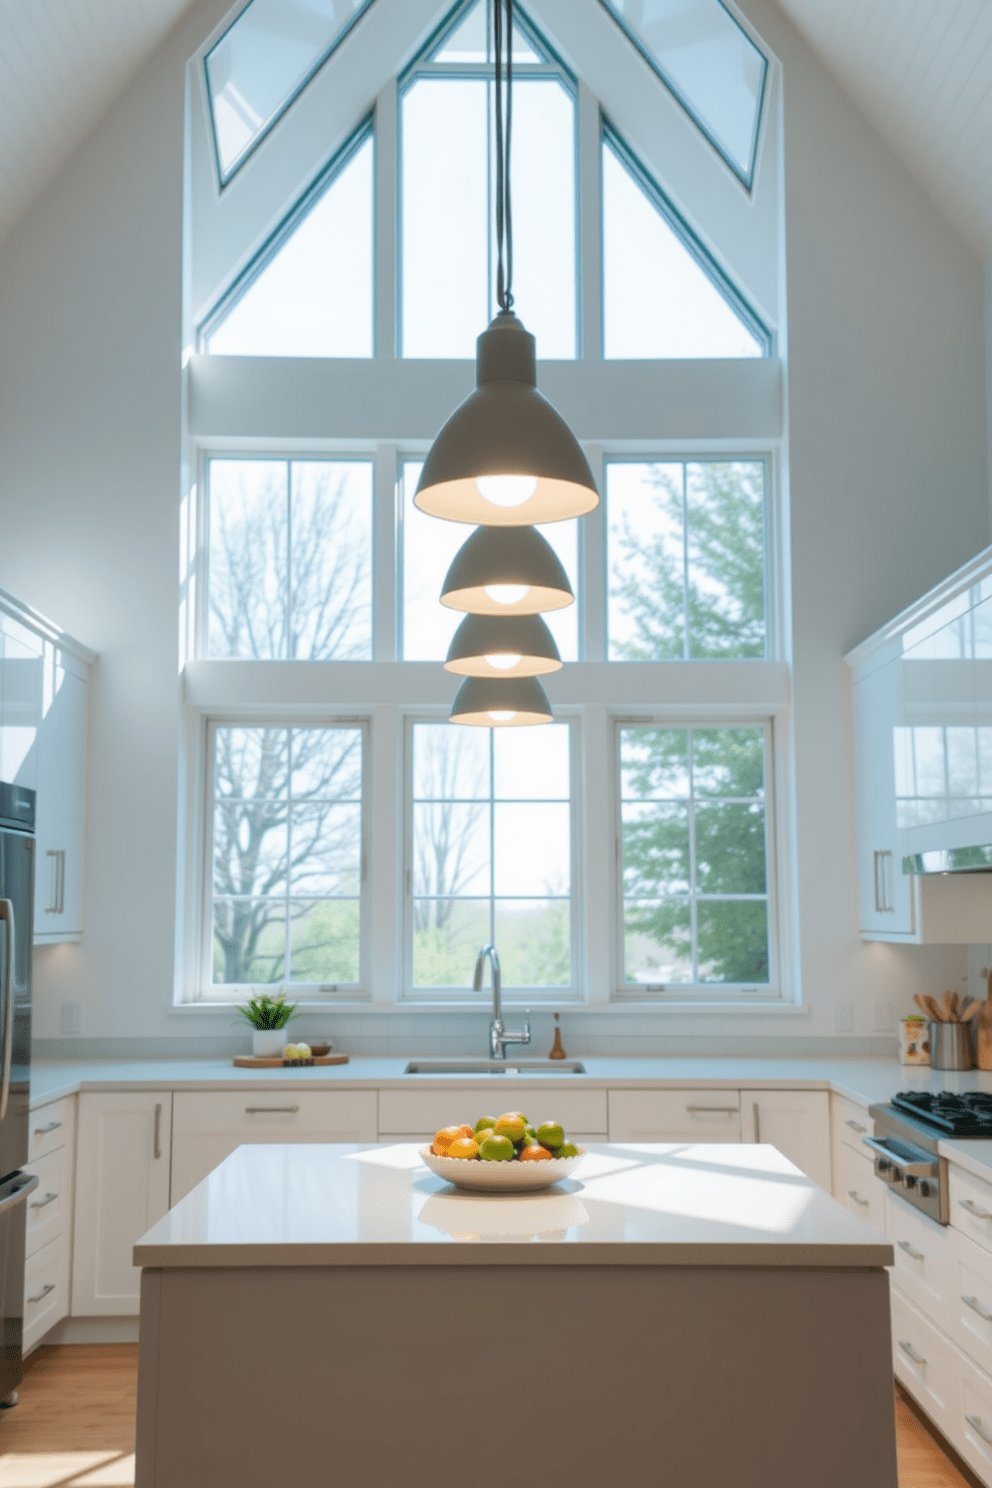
(690, 1316)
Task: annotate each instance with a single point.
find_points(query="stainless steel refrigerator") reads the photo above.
(16, 930)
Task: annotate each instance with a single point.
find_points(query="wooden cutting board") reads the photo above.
(254, 1061)
(983, 1053)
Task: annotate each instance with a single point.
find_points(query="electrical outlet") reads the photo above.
(844, 1017)
(71, 1018)
(882, 1020)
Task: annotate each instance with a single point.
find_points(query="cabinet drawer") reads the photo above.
(924, 1361)
(971, 1207)
(50, 1128)
(851, 1123)
(48, 1208)
(857, 1187)
(971, 1428)
(675, 1116)
(969, 1319)
(46, 1290)
(412, 1113)
(923, 1262)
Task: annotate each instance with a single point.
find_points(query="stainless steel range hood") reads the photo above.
(949, 860)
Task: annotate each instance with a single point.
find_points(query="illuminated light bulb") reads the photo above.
(501, 715)
(503, 661)
(506, 594)
(506, 490)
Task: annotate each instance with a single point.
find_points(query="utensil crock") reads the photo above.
(950, 1046)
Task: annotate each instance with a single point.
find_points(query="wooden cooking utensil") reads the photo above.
(970, 1010)
(983, 1052)
(933, 1008)
(921, 1003)
(948, 1002)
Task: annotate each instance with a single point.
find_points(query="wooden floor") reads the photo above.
(74, 1425)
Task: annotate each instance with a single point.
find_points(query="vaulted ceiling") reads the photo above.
(921, 70)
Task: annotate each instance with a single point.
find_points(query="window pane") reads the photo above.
(491, 863)
(470, 40)
(686, 557)
(313, 295)
(331, 560)
(725, 506)
(447, 934)
(658, 301)
(534, 939)
(564, 624)
(646, 556)
(444, 216)
(260, 63)
(429, 546)
(448, 258)
(657, 942)
(709, 62)
(695, 882)
(290, 559)
(287, 844)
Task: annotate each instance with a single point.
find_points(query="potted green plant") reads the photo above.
(268, 1017)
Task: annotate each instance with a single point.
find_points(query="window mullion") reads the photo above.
(592, 561)
(386, 580)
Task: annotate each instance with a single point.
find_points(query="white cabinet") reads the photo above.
(675, 1116)
(887, 897)
(21, 691)
(122, 1188)
(415, 1115)
(797, 1122)
(51, 1154)
(208, 1126)
(61, 798)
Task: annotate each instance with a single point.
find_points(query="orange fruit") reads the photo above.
(467, 1131)
(511, 1126)
(463, 1147)
(444, 1138)
(535, 1153)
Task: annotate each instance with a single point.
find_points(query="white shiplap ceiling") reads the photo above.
(921, 70)
(62, 64)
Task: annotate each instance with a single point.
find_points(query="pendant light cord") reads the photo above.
(504, 217)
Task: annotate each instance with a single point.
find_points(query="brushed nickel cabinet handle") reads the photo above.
(42, 1131)
(43, 1203)
(853, 1194)
(911, 1251)
(48, 1287)
(910, 1352)
(757, 1121)
(976, 1306)
(158, 1130)
(269, 1110)
(974, 1209)
(856, 1126)
(975, 1422)
(715, 1110)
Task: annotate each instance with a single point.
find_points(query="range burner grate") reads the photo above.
(965, 1115)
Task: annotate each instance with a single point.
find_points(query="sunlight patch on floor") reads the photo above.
(66, 1470)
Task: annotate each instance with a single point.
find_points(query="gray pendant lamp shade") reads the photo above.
(506, 571)
(501, 703)
(505, 457)
(502, 646)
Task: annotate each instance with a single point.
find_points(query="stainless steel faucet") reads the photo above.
(499, 1036)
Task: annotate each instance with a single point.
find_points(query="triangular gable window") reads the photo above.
(471, 41)
(662, 295)
(310, 291)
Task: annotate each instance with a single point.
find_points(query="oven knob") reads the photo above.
(910, 1181)
(925, 1190)
(883, 1166)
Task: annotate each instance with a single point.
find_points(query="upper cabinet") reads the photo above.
(43, 712)
(922, 713)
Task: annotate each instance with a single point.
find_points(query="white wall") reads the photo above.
(888, 492)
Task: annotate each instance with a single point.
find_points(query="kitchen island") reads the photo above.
(693, 1315)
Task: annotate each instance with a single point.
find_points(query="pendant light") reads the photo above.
(502, 646)
(505, 457)
(506, 571)
(506, 703)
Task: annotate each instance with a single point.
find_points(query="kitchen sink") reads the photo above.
(495, 1067)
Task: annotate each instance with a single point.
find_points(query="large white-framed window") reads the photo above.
(305, 466)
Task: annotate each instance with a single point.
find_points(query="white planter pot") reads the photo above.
(268, 1043)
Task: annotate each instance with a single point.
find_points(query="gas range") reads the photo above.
(907, 1134)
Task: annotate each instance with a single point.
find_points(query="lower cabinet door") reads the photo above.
(970, 1302)
(122, 1188)
(971, 1431)
(675, 1116)
(46, 1290)
(925, 1362)
(797, 1122)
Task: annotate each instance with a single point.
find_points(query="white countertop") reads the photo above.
(629, 1204)
(865, 1081)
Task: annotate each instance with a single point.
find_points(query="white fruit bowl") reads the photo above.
(501, 1177)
